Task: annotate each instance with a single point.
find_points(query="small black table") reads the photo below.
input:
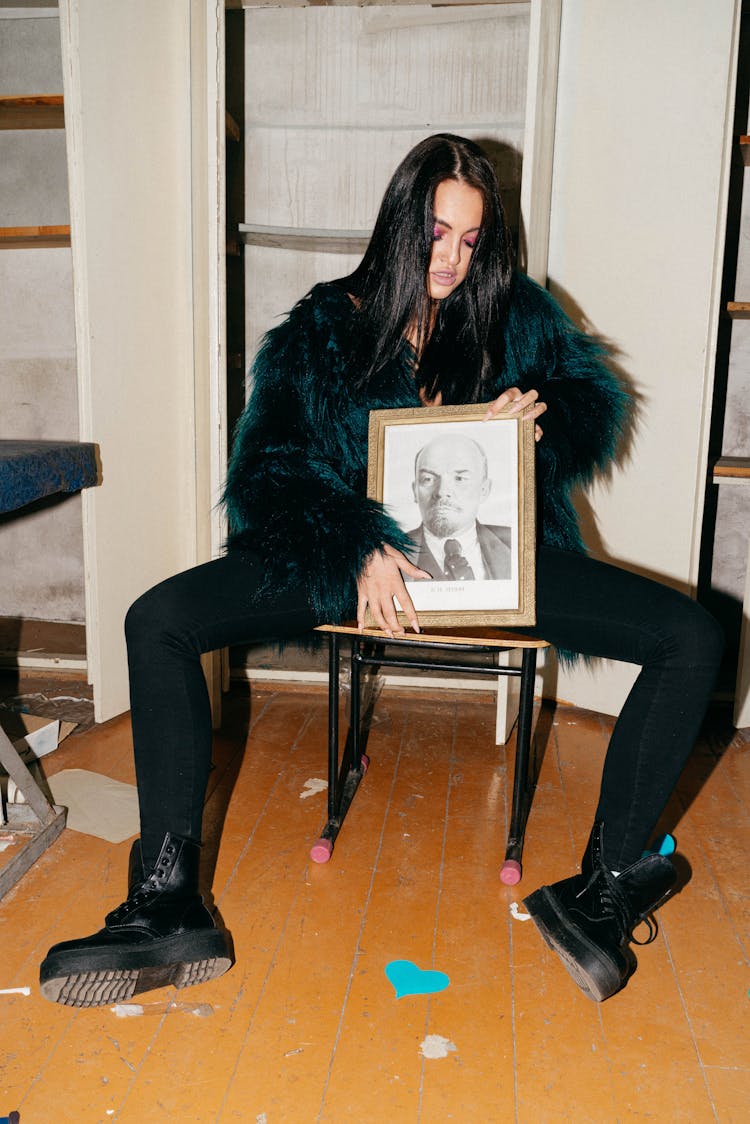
(29, 471)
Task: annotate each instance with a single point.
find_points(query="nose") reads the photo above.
(450, 250)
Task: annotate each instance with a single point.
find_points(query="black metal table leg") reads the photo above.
(343, 780)
(510, 873)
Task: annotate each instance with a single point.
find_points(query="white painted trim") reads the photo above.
(69, 38)
(208, 141)
(217, 290)
(539, 134)
(715, 309)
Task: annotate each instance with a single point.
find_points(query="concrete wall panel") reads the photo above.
(41, 551)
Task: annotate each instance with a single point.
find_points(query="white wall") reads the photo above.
(639, 188)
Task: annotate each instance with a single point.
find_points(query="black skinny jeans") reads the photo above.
(582, 605)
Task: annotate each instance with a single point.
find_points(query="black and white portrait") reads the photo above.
(453, 487)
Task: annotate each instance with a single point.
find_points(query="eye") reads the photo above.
(437, 234)
(471, 242)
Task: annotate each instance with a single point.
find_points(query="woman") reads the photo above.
(433, 314)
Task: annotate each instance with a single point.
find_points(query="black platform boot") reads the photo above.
(589, 919)
(163, 934)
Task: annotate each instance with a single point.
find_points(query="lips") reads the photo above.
(444, 278)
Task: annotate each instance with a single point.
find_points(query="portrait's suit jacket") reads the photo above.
(494, 543)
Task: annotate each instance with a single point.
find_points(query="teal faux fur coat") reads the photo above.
(296, 486)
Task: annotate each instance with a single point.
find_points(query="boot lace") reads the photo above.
(615, 902)
(139, 894)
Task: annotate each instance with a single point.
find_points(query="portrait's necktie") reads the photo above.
(454, 564)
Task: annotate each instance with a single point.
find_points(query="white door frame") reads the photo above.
(143, 87)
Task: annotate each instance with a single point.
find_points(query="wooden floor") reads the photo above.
(306, 1027)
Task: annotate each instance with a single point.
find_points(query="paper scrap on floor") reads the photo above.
(97, 805)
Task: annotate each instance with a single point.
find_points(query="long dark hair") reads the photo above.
(461, 354)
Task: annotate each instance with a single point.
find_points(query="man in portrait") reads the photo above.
(450, 483)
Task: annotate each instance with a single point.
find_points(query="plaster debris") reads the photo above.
(516, 912)
(261, 1118)
(15, 991)
(202, 1011)
(435, 1046)
(127, 1010)
(312, 787)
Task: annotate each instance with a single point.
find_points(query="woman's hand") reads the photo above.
(528, 403)
(379, 582)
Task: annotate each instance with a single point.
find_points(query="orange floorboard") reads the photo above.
(306, 1027)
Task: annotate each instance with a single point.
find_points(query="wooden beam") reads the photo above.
(732, 468)
(739, 310)
(305, 238)
(42, 111)
(33, 237)
(33, 841)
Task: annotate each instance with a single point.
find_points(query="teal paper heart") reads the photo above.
(408, 979)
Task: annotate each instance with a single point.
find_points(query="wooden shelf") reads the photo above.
(305, 238)
(42, 111)
(739, 310)
(745, 150)
(732, 468)
(33, 237)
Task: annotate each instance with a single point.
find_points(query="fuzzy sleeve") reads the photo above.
(294, 492)
(587, 406)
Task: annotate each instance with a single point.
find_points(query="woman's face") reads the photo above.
(458, 216)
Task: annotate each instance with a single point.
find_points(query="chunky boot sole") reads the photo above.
(96, 977)
(596, 974)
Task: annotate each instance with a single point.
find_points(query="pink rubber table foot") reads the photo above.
(510, 874)
(365, 763)
(321, 851)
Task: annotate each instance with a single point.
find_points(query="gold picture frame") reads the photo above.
(402, 448)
